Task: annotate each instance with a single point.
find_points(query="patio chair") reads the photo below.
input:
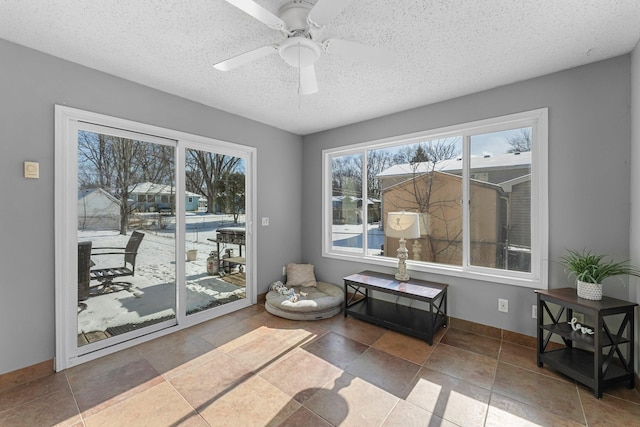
(84, 275)
(106, 275)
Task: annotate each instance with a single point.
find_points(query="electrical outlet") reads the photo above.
(534, 311)
(265, 221)
(503, 305)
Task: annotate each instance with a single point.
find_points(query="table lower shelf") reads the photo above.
(579, 365)
(401, 318)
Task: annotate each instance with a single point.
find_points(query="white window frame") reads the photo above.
(537, 278)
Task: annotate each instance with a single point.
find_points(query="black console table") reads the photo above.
(406, 319)
(594, 364)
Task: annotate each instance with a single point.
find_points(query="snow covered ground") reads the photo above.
(152, 295)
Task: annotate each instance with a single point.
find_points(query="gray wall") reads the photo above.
(30, 84)
(589, 177)
(634, 289)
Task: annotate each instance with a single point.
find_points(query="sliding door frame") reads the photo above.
(67, 123)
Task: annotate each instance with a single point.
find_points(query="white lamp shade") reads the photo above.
(403, 225)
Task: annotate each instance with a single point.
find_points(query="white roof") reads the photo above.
(486, 162)
(151, 188)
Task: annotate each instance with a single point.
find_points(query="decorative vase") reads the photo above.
(592, 291)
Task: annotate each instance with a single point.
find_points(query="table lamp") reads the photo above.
(403, 225)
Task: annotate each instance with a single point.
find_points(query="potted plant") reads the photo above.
(591, 269)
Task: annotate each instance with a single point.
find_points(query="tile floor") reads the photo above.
(251, 368)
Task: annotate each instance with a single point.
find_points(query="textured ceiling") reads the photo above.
(445, 49)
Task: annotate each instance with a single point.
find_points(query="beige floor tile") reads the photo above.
(384, 370)
(232, 336)
(457, 401)
(205, 383)
(525, 357)
(104, 364)
(465, 325)
(336, 349)
(294, 333)
(471, 367)
(504, 411)
(609, 410)
(98, 387)
(473, 342)
(158, 406)
(621, 391)
(304, 418)
(401, 345)
(252, 368)
(262, 352)
(363, 332)
(301, 374)
(26, 375)
(406, 414)
(519, 339)
(351, 401)
(215, 325)
(53, 409)
(556, 396)
(33, 390)
(171, 355)
(253, 402)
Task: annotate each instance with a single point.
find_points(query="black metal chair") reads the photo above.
(106, 275)
(84, 274)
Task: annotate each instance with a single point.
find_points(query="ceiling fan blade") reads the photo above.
(325, 10)
(259, 13)
(372, 55)
(308, 81)
(244, 58)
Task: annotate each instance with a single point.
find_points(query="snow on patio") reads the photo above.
(152, 295)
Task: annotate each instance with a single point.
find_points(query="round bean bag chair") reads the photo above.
(313, 302)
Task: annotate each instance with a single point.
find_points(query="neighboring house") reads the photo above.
(500, 204)
(97, 210)
(150, 197)
(348, 210)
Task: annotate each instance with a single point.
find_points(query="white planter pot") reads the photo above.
(592, 291)
(192, 254)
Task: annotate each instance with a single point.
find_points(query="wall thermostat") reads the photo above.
(32, 170)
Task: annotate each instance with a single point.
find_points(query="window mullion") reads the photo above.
(364, 202)
(466, 202)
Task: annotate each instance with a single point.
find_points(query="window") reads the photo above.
(480, 190)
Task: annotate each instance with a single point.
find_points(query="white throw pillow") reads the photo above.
(300, 275)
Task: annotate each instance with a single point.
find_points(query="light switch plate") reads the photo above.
(32, 170)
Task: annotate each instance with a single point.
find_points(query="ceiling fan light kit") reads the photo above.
(299, 52)
(301, 22)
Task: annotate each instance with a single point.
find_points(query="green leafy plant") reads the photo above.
(594, 268)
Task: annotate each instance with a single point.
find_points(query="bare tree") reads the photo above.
(126, 154)
(235, 194)
(429, 151)
(95, 162)
(377, 161)
(347, 175)
(116, 164)
(428, 192)
(520, 143)
(207, 174)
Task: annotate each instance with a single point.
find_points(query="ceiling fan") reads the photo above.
(301, 22)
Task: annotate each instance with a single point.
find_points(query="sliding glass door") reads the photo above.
(153, 232)
(215, 229)
(126, 234)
